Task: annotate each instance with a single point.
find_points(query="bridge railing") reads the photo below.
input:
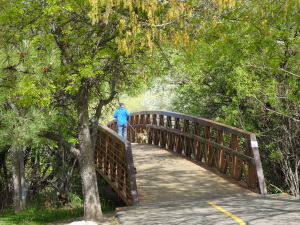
(229, 150)
(114, 161)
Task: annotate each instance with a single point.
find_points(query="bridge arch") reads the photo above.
(229, 150)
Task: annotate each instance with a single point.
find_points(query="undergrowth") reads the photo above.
(44, 208)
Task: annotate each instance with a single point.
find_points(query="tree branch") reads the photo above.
(103, 102)
(289, 72)
(61, 141)
(275, 112)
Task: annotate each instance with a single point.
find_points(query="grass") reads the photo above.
(36, 216)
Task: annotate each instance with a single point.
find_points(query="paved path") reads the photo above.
(174, 190)
(251, 210)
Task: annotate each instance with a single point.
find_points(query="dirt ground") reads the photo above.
(108, 219)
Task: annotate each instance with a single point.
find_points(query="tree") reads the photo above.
(96, 63)
(19, 131)
(243, 72)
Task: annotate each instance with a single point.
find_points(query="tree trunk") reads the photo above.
(17, 180)
(290, 167)
(92, 206)
(22, 177)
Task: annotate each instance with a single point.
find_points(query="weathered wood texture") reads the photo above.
(230, 150)
(114, 161)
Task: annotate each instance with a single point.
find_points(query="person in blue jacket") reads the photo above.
(122, 116)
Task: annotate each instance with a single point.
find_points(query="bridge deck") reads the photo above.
(164, 176)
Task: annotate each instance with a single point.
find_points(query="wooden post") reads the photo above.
(155, 132)
(178, 141)
(106, 156)
(142, 122)
(259, 171)
(169, 135)
(237, 170)
(162, 138)
(114, 153)
(187, 144)
(122, 169)
(221, 158)
(208, 150)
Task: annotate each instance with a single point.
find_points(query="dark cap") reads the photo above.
(121, 104)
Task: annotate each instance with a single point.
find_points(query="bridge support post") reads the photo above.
(259, 170)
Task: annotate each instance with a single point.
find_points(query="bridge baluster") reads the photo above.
(199, 149)
(155, 131)
(235, 160)
(98, 154)
(178, 137)
(148, 121)
(142, 123)
(162, 138)
(113, 159)
(106, 154)
(135, 122)
(221, 159)
(169, 135)
(187, 144)
(208, 150)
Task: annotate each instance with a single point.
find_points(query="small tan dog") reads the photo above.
(142, 137)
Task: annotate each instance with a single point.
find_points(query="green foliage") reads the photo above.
(275, 155)
(244, 72)
(235, 69)
(26, 69)
(21, 129)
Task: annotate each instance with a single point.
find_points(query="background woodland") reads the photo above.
(65, 65)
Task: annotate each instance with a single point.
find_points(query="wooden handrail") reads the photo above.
(114, 162)
(230, 150)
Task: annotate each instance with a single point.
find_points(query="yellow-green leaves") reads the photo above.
(144, 22)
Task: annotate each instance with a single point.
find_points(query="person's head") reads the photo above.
(122, 105)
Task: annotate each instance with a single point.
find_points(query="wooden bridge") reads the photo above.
(183, 157)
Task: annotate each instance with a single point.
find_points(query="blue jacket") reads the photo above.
(122, 115)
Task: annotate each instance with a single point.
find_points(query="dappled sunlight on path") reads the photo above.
(164, 176)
